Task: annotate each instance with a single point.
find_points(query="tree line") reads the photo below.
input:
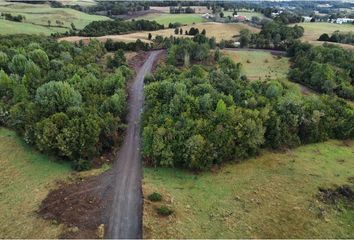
(14, 18)
(274, 35)
(338, 37)
(177, 10)
(327, 69)
(201, 115)
(60, 97)
(108, 27)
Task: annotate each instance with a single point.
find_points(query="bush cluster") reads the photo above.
(164, 211)
(155, 197)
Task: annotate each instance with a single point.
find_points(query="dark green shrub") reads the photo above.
(81, 165)
(164, 211)
(155, 197)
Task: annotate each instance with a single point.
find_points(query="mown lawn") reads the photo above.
(166, 18)
(270, 196)
(260, 64)
(26, 177)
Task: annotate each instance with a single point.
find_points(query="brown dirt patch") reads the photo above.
(77, 205)
(336, 195)
(161, 60)
(135, 61)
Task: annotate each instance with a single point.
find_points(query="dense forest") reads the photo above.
(327, 69)
(208, 114)
(60, 97)
(108, 27)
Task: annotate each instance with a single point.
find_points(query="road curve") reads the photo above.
(125, 211)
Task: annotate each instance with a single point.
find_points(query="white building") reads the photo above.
(344, 20)
(207, 15)
(307, 18)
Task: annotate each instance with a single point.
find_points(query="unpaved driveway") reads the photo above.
(125, 212)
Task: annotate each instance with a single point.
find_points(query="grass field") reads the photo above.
(197, 9)
(270, 196)
(25, 179)
(8, 27)
(218, 30)
(166, 18)
(314, 30)
(37, 16)
(260, 64)
(79, 2)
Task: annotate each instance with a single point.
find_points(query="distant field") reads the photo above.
(198, 9)
(248, 14)
(39, 14)
(9, 27)
(270, 196)
(78, 2)
(25, 179)
(319, 43)
(166, 18)
(260, 64)
(218, 30)
(314, 30)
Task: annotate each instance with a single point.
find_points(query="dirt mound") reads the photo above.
(138, 60)
(78, 206)
(334, 196)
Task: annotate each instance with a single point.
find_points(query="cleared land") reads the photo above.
(198, 9)
(9, 27)
(26, 177)
(260, 64)
(270, 196)
(314, 30)
(37, 16)
(218, 30)
(166, 18)
(79, 2)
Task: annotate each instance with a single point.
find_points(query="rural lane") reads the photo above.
(125, 211)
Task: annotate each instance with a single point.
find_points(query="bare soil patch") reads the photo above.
(339, 194)
(77, 205)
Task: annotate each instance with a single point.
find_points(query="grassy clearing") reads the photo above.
(314, 30)
(166, 18)
(260, 64)
(198, 9)
(270, 196)
(79, 2)
(39, 14)
(25, 179)
(218, 30)
(9, 27)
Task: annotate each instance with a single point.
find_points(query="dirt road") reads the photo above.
(125, 212)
